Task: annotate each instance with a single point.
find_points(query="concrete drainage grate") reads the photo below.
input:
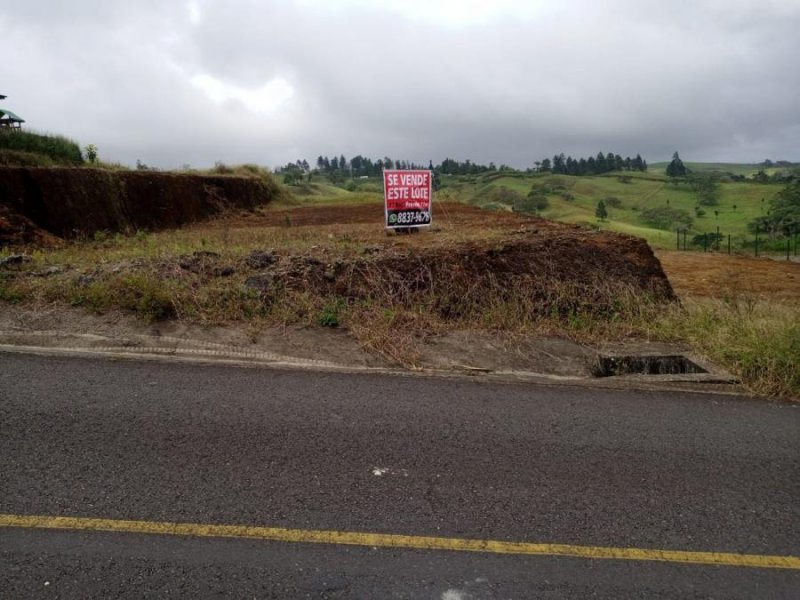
(608, 366)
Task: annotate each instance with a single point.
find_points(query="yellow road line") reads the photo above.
(382, 540)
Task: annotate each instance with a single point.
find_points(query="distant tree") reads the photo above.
(537, 199)
(546, 165)
(91, 153)
(761, 177)
(784, 212)
(601, 212)
(676, 167)
(293, 176)
(600, 163)
(505, 195)
(706, 187)
(707, 240)
(664, 217)
(293, 173)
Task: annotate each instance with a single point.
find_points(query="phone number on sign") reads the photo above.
(410, 218)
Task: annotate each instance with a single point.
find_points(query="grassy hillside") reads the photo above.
(574, 200)
(27, 148)
(744, 169)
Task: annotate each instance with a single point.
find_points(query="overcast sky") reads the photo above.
(195, 82)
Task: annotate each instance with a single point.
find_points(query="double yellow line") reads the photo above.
(381, 540)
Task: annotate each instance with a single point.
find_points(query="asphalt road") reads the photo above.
(386, 454)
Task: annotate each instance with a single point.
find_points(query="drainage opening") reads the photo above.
(607, 366)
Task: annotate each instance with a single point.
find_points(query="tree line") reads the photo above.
(360, 166)
(594, 165)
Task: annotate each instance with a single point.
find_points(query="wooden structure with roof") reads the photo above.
(9, 119)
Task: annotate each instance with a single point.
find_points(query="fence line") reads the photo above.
(717, 241)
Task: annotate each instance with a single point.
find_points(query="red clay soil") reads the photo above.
(547, 273)
(446, 213)
(722, 275)
(19, 231)
(79, 201)
(699, 274)
(476, 258)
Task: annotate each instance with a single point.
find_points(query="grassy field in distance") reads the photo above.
(575, 199)
(744, 169)
(740, 202)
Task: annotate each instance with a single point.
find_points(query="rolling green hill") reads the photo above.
(28, 148)
(574, 199)
(743, 169)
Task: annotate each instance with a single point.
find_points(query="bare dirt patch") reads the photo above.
(70, 202)
(721, 275)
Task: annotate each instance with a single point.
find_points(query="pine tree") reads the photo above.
(601, 212)
(676, 167)
(600, 163)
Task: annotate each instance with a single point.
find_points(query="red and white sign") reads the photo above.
(407, 198)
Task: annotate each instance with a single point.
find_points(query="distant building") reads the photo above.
(9, 119)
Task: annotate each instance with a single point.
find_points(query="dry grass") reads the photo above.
(755, 338)
(392, 313)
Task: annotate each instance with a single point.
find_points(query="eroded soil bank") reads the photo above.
(70, 202)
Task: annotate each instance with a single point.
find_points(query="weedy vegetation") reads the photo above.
(28, 148)
(329, 274)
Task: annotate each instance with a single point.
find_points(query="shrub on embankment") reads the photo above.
(69, 202)
(27, 147)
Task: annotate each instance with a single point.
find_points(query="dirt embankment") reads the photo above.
(473, 260)
(550, 274)
(68, 202)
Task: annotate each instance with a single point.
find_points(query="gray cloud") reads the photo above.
(716, 80)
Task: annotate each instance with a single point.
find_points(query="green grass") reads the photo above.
(744, 169)
(58, 149)
(758, 340)
(643, 191)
